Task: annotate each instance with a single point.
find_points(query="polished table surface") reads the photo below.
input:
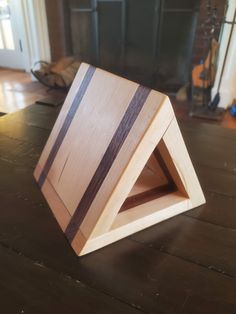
(184, 265)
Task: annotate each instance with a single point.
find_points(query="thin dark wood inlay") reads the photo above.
(112, 151)
(164, 168)
(148, 196)
(69, 117)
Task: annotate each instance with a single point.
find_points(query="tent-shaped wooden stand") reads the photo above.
(115, 162)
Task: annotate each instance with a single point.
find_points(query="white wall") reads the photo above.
(228, 84)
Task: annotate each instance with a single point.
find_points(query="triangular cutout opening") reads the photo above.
(159, 183)
(104, 162)
(154, 182)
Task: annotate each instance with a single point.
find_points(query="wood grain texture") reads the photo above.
(195, 241)
(219, 210)
(186, 181)
(18, 90)
(138, 218)
(133, 157)
(24, 291)
(69, 117)
(173, 268)
(149, 195)
(98, 154)
(152, 176)
(86, 135)
(111, 153)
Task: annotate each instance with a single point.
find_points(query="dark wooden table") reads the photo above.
(184, 265)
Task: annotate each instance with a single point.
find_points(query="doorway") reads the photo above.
(11, 50)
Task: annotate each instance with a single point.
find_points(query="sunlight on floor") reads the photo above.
(17, 90)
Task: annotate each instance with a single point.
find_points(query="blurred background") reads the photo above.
(178, 47)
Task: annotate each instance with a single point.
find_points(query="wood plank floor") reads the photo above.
(182, 111)
(186, 264)
(18, 90)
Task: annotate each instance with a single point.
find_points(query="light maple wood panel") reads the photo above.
(114, 143)
(152, 176)
(148, 139)
(89, 135)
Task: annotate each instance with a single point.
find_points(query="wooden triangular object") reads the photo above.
(115, 162)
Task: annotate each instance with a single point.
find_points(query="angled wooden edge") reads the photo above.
(65, 110)
(58, 208)
(117, 225)
(102, 226)
(189, 195)
(176, 156)
(137, 219)
(98, 222)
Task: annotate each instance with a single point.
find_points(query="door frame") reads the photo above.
(34, 32)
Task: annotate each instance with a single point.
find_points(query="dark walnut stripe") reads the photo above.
(163, 165)
(112, 151)
(69, 117)
(148, 196)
